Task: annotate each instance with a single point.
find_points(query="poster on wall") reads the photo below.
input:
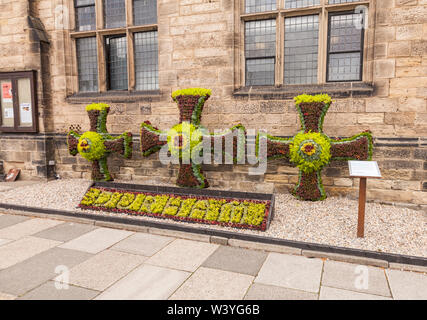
(25, 113)
(6, 92)
(8, 113)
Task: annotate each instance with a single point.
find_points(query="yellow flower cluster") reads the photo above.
(306, 98)
(192, 92)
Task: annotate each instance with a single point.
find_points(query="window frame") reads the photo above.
(14, 76)
(101, 33)
(323, 10)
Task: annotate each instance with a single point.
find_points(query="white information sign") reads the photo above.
(364, 169)
(25, 112)
(8, 113)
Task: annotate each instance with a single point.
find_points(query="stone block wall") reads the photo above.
(198, 41)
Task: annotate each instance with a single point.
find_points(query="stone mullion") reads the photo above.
(130, 45)
(102, 72)
(280, 43)
(129, 13)
(99, 14)
(131, 60)
(322, 45)
(239, 34)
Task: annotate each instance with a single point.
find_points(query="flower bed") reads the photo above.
(230, 212)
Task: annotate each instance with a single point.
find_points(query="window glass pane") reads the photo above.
(341, 1)
(343, 34)
(117, 63)
(87, 63)
(25, 103)
(144, 12)
(85, 15)
(260, 38)
(344, 66)
(80, 3)
(259, 5)
(6, 103)
(146, 61)
(301, 48)
(260, 52)
(115, 13)
(344, 40)
(260, 72)
(291, 4)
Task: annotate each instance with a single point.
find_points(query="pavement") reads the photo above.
(46, 259)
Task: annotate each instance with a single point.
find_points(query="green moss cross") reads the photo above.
(185, 138)
(310, 149)
(97, 144)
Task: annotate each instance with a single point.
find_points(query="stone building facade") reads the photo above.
(201, 43)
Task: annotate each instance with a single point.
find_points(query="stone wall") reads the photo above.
(198, 41)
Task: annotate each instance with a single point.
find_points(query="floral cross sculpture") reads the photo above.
(95, 145)
(310, 149)
(185, 139)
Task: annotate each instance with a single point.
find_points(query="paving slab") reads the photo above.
(236, 260)
(31, 273)
(7, 220)
(97, 240)
(407, 285)
(102, 270)
(48, 291)
(214, 284)
(348, 276)
(143, 244)
(327, 293)
(20, 250)
(293, 272)
(183, 254)
(146, 283)
(265, 292)
(66, 231)
(27, 228)
(4, 241)
(5, 296)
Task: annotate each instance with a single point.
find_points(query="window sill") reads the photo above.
(115, 96)
(335, 90)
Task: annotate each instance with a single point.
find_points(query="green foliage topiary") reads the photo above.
(192, 92)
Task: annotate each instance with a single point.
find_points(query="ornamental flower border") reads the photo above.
(182, 194)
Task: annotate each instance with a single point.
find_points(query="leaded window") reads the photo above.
(144, 12)
(260, 52)
(87, 60)
(291, 42)
(114, 13)
(117, 71)
(116, 45)
(85, 15)
(146, 61)
(344, 47)
(301, 48)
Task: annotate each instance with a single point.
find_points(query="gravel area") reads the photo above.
(332, 222)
